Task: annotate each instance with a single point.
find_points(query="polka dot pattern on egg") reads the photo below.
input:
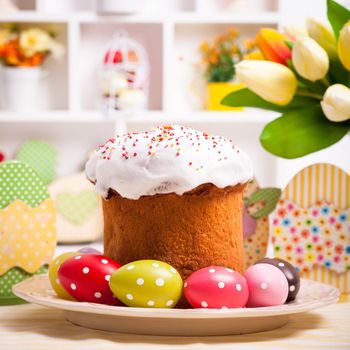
(86, 278)
(267, 285)
(216, 287)
(19, 181)
(147, 283)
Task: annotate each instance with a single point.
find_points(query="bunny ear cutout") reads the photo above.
(266, 198)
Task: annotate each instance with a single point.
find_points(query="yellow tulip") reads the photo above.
(323, 35)
(336, 103)
(295, 31)
(310, 59)
(344, 46)
(272, 81)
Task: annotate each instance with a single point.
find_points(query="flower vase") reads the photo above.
(217, 91)
(21, 88)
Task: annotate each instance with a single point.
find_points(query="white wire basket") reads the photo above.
(123, 75)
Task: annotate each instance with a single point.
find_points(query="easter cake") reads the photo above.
(172, 194)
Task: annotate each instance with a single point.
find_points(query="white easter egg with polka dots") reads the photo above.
(86, 278)
(147, 283)
(20, 181)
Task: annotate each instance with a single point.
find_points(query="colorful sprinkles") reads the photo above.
(177, 138)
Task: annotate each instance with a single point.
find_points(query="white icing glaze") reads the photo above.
(164, 160)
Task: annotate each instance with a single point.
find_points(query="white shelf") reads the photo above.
(54, 117)
(216, 18)
(269, 17)
(247, 116)
(33, 16)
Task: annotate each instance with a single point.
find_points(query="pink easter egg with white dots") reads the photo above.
(216, 287)
(268, 286)
(86, 278)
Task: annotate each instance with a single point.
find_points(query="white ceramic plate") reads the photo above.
(189, 322)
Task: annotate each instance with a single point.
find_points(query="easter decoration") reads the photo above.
(268, 286)
(311, 225)
(86, 278)
(79, 212)
(41, 156)
(95, 278)
(27, 226)
(89, 250)
(216, 287)
(2, 156)
(306, 78)
(290, 273)
(124, 74)
(53, 275)
(147, 283)
(257, 205)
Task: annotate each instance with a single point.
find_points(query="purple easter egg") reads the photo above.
(88, 250)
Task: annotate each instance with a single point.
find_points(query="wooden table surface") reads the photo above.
(28, 326)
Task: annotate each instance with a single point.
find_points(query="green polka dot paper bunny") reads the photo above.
(27, 226)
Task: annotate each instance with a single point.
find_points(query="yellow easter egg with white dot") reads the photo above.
(147, 283)
(53, 275)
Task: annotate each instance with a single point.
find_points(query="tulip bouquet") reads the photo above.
(305, 76)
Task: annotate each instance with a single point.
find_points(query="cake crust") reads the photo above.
(200, 228)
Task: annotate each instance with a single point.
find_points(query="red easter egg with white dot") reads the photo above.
(216, 287)
(267, 284)
(86, 278)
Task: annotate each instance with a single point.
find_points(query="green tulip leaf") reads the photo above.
(338, 74)
(289, 43)
(247, 98)
(300, 132)
(337, 15)
(269, 196)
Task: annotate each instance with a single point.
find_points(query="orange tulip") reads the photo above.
(272, 45)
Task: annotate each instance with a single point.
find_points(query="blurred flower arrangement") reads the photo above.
(220, 56)
(27, 47)
(305, 76)
(218, 60)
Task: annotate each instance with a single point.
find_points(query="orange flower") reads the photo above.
(204, 46)
(272, 45)
(249, 43)
(213, 58)
(233, 32)
(255, 55)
